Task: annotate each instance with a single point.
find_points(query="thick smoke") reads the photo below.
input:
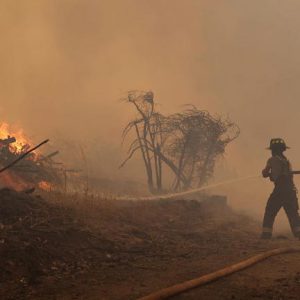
(65, 64)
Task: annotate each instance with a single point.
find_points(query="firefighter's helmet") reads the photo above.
(278, 144)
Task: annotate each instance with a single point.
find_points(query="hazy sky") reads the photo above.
(66, 63)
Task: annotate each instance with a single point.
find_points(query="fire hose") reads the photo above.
(197, 282)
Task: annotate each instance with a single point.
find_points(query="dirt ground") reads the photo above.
(74, 248)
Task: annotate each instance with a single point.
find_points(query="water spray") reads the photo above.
(192, 191)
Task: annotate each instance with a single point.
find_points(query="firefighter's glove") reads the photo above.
(266, 173)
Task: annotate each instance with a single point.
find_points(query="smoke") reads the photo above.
(65, 64)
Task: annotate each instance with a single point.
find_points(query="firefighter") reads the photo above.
(279, 170)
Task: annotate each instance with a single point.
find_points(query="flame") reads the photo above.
(22, 141)
(46, 186)
(12, 181)
(22, 144)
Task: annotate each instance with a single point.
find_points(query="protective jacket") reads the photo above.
(284, 195)
(278, 168)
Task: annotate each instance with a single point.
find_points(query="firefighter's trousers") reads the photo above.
(283, 196)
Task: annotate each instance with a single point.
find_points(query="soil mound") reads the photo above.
(99, 249)
(14, 206)
(39, 240)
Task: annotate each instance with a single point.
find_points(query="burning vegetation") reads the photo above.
(35, 171)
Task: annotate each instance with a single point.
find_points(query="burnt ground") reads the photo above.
(100, 249)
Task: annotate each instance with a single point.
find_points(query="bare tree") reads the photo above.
(195, 140)
(188, 143)
(147, 127)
